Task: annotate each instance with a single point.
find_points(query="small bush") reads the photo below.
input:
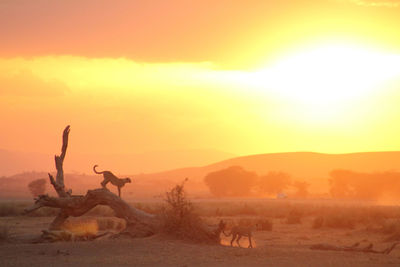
(294, 217)
(180, 220)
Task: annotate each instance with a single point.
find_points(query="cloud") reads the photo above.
(25, 83)
(376, 3)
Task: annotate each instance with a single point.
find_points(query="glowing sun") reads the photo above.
(327, 78)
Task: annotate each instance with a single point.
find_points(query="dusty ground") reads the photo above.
(285, 245)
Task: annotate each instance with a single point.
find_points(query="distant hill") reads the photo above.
(14, 162)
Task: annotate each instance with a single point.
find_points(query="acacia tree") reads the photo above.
(273, 183)
(301, 189)
(37, 187)
(232, 181)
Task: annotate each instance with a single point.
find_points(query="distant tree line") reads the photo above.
(345, 184)
(235, 181)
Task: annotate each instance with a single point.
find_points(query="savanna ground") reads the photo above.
(286, 230)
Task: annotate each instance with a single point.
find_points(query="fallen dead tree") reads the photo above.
(138, 222)
(354, 248)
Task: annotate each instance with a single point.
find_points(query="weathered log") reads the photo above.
(76, 206)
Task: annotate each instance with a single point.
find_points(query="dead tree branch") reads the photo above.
(58, 184)
(354, 248)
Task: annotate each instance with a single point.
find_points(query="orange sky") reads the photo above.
(243, 77)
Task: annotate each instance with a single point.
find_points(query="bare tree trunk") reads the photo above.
(58, 184)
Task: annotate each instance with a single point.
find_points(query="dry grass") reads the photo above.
(349, 217)
(362, 213)
(181, 216)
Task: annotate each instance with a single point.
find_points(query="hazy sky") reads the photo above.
(237, 76)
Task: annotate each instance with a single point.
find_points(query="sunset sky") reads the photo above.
(243, 77)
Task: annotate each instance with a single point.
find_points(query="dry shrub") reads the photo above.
(181, 221)
(339, 221)
(294, 217)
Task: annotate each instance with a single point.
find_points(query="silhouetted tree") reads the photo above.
(302, 189)
(37, 187)
(273, 183)
(340, 183)
(232, 181)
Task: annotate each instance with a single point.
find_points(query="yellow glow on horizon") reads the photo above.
(328, 81)
(296, 102)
